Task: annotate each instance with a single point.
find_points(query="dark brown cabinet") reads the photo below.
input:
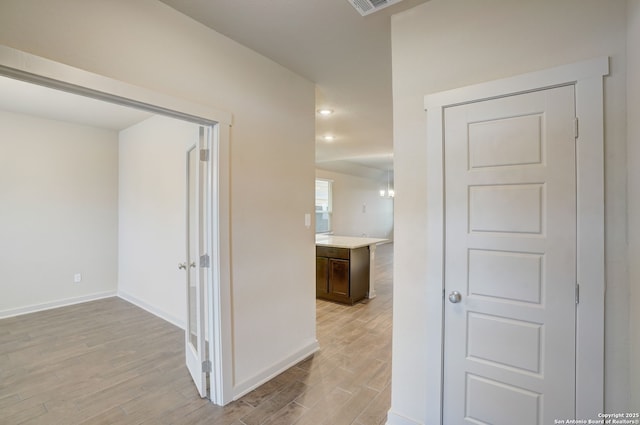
(342, 274)
(322, 277)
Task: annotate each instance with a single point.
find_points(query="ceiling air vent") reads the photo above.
(367, 7)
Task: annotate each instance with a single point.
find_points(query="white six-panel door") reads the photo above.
(510, 259)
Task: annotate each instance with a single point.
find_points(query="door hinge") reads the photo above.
(575, 128)
(204, 155)
(205, 261)
(206, 366)
(577, 294)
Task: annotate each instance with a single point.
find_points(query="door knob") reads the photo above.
(455, 297)
(183, 266)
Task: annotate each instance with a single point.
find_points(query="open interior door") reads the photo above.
(198, 259)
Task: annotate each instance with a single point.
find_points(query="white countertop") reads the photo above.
(350, 242)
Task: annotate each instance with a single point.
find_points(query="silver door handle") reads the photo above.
(183, 266)
(455, 297)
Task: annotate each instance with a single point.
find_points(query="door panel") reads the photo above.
(514, 276)
(506, 208)
(510, 253)
(482, 394)
(339, 277)
(197, 247)
(322, 276)
(192, 247)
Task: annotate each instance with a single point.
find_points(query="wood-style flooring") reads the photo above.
(110, 362)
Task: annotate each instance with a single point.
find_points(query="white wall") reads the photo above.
(633, 188)
(350, 194)
(445, 44)
(151, 207)
(58, 213)
(148, 44)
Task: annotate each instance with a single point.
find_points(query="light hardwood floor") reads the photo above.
(109, 362)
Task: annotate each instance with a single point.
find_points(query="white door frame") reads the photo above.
(587, 77)
(34, 69)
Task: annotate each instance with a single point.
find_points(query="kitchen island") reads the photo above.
(345, 268)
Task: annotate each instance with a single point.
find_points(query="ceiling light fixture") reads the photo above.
(325, 112)
(329, 138)
(389, 193)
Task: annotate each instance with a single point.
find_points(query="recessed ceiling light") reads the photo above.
(325, 112)
(329, 138)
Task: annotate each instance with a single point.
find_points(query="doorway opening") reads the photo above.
(158, 114)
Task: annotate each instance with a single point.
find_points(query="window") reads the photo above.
(323, 206)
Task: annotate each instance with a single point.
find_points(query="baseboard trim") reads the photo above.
(151, 309)
(34, 308)
(395, 419)
(270, 373)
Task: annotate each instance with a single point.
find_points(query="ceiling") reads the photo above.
(328, 42)
(32, 99)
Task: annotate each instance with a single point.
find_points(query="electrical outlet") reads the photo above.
(77, 278)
